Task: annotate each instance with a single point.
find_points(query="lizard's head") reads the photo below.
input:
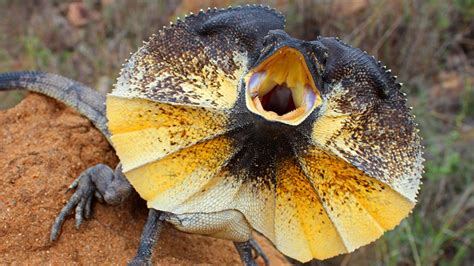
(283, 84)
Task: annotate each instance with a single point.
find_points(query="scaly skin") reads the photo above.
(85, 100)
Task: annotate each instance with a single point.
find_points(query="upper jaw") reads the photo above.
(281, 88)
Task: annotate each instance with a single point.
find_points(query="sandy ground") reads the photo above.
(43, 147)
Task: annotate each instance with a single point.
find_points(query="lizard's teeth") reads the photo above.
(260, 83)
(309, 98)
(254, 83)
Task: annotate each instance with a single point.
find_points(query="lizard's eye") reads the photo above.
(281, 88)
(269, 40)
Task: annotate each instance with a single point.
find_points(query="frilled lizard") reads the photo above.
(225, 124)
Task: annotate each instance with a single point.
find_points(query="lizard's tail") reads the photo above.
(85, 100)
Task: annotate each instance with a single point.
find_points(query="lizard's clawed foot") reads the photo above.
(99, 181)
(245, 252)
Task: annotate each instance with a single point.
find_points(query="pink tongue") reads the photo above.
(278, 100)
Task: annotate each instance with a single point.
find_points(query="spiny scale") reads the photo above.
(188, 144)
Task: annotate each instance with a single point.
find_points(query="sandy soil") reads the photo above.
(43, 147)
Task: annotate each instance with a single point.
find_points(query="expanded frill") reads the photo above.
(311, 141)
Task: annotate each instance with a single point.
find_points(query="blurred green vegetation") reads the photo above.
(428, 44)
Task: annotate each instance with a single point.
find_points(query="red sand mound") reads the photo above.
(43, 147)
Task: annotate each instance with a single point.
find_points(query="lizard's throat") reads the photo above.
(281, 88)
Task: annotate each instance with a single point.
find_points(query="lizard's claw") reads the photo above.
(258, 251)
(245, 252)
(81, 200)
(98, 181)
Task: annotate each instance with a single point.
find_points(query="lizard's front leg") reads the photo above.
(151, 233)
(98, 181)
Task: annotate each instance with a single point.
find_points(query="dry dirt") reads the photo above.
(43, 147)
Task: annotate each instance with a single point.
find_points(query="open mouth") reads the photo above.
(281, 88)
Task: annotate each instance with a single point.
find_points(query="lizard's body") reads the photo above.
(225, 124)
